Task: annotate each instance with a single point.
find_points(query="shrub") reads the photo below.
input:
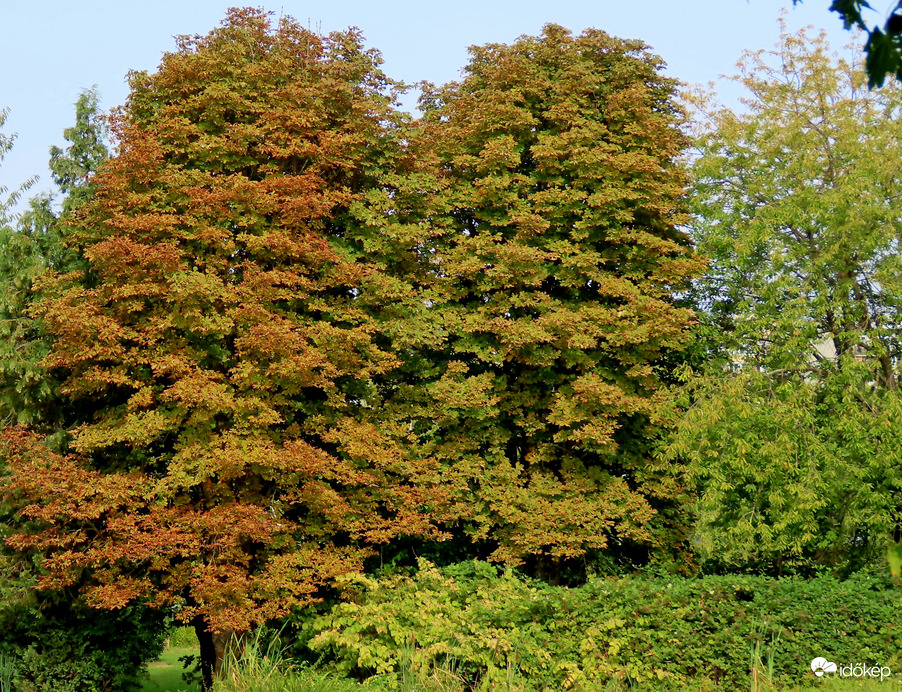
(55, 646)
(183, 637)
(658, 631)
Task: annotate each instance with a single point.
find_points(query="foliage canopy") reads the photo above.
(556, 267)
(211, 348)
(296, 325)
(883, 49)
(790, 435)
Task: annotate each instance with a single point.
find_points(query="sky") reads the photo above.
(53, 49)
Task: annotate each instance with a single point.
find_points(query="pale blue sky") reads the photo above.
(52, 49)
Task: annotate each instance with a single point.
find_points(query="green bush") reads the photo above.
(183, 638)
(50, 645)
(678, 629)
(660, 632)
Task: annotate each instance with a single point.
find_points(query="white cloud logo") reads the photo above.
(821, 665)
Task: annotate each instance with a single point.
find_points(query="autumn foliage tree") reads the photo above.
(226, 457)
(306, 325)
(556, 266)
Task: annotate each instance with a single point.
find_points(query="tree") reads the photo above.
(555, 273)
(789, 437)
(9, 198)
(11, 286)
(302, 326)
(53, 641)
(74, 167)
(883, 49)
(229, 450)
(35, 245)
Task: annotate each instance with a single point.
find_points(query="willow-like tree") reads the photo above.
(556, 266)
(227, 457)
(790, 437)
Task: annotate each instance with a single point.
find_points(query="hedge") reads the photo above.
(658, 632)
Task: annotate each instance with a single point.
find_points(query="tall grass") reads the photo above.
(263, 668)
(7, 673)
(762, 671)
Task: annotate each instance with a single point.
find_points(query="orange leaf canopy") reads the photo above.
(227, 450)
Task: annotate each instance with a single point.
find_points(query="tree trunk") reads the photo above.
(213, 649)
(207, 653)
(887, 375)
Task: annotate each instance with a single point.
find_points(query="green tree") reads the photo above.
(790, 437)
(9, 198)
(73, 168)
(30, 246)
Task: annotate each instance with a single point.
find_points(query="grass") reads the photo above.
(166, 674)
(6, 673)
(264, 669)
